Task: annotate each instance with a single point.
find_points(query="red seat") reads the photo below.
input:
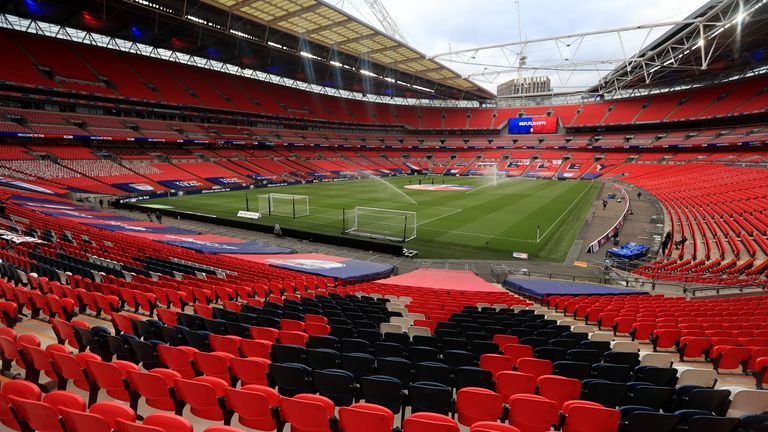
(532, 413)
(623, 325)
(44, 416)
(312, 318)
(729, 357)
(429, 422)
(478, 404)
(693, 347)
(293, 337)
(167, 316)
(64, 399)
(158, 422)
(488, 426)
(583, 416)
(642, 331)
(264, 333)
(761, 372)
(40, 361)
(178, 359)
(225, 343)
(291, 325)
(255, 348)
(223, 429)
(665, 338)
(122, 323)
(496, 363)
(316, 328)
(101, 417)
(202, 395)
(559, 389)
(19, 389)
(534, 366)
(110, 377)
(70, 367)
(364, 417)
(153, 387)
(9, 312)
(757, 354)
(503, 340)
(307, 412)
(215, 364)
(250, 370)
(512, 383)
(9, 352)
(254, 405)
(517, 351)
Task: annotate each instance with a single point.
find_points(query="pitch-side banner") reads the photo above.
(532, 125)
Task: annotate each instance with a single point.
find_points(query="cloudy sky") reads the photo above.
(437, 26)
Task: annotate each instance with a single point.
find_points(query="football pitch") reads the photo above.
(484, 221)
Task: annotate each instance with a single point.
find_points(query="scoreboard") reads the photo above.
(532, 125)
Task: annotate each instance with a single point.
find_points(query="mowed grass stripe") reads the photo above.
(484, 223)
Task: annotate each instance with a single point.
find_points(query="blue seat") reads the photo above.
(431, 397)
(291, 378)
(433, 372)
(606, 393)
(470, 376)
(322, 358)
(287, 353)
(692, 420)
(358, 364)
(644, 419)
(383, 390)
(335, 384)
(397, 368)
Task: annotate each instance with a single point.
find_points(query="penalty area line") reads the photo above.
(439, 217)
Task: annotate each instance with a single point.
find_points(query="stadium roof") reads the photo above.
(722, 38)
(307, 43)
(324, 24)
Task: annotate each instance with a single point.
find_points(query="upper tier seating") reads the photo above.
(146, 78)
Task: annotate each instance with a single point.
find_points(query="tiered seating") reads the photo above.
(21, 69)
(729, 333)
(108, 172)
(58, 174)
(209, 170)
(65, 152)
(153, 79)
(70, 71)
(330, 345)
(14, 152)
(724, 234)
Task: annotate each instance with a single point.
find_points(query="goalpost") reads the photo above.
(284, 205)
(384, 224)
(490, 171)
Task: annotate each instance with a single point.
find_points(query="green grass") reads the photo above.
(487, 222)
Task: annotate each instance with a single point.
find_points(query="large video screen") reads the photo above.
(532, 125)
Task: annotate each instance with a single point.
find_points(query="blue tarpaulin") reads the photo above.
(539, 288)
(325, 265)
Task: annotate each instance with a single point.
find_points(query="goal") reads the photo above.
(284, 205)
(378, 223)
(490, 172)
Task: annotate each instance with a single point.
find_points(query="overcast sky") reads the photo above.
(436, 26)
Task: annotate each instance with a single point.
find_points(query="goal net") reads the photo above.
(384, 224)
(489, 171)
(284, 205)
